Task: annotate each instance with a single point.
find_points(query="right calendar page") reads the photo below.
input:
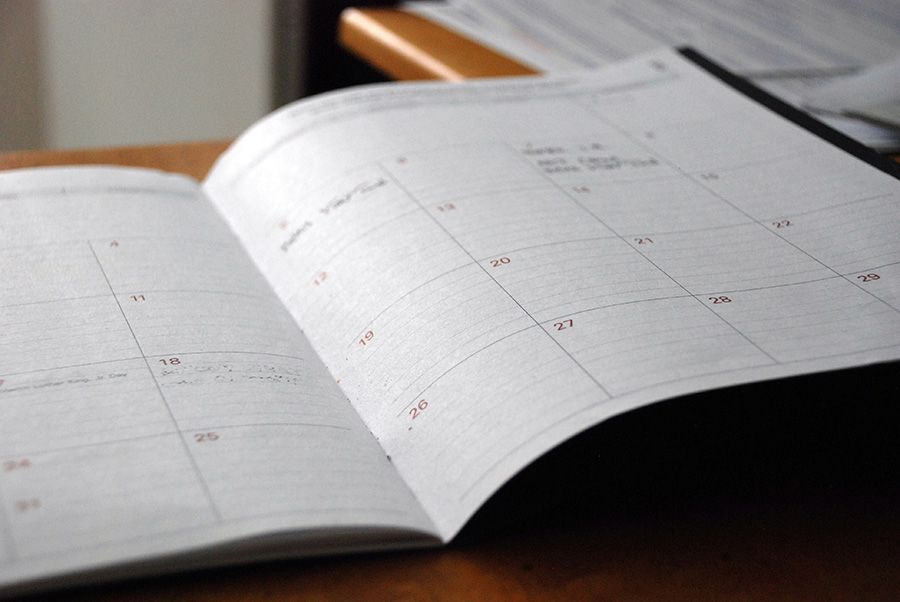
(488, 269)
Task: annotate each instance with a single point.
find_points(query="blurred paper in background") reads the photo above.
(789, 48)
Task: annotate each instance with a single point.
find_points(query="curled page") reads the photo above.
(489, 268)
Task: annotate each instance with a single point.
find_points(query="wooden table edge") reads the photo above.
(191, 158)
(406, 46)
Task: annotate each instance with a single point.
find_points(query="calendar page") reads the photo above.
(488, 269)
(385, 302)
(155, 396)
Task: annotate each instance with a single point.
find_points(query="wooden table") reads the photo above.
(193, 159)
(407, 47)
(644, 541)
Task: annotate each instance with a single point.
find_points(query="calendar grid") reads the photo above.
(715, 193)
(197, 473)
(527, 258)
(475, 261)
(101, 407)
(420, 331)
(542, 323)
(424, 208)
(651, 262)
(623, 237)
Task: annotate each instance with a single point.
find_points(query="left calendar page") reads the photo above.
(157, 399)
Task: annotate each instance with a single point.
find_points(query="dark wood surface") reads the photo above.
(408, 47)
(193, 159)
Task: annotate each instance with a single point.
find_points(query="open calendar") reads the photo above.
(385, 302)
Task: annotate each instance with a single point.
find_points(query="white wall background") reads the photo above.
(78, 73)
